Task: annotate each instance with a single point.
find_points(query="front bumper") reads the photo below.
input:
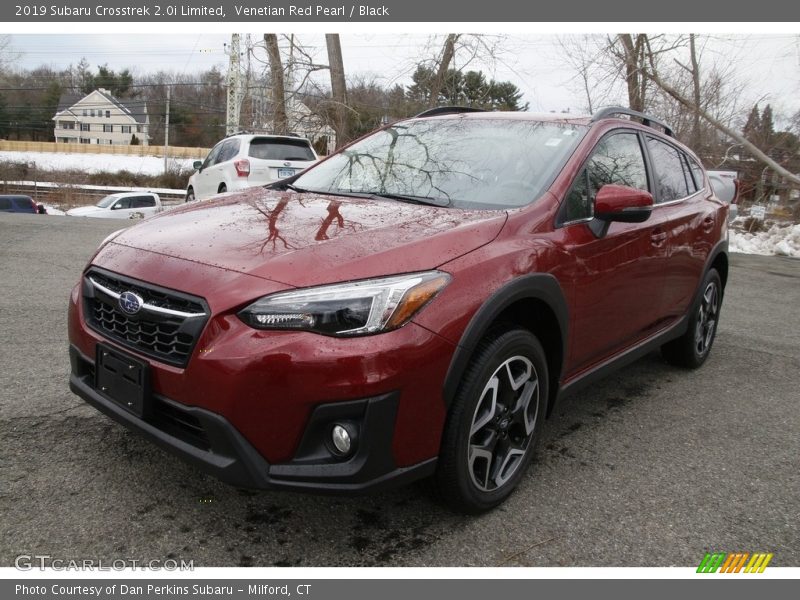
(210, 442)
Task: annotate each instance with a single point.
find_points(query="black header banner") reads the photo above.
(343, 11)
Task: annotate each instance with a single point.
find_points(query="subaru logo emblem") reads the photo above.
(286, 163)
(130, 303)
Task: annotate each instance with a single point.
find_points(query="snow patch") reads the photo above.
(780, 240)
(52, 210)
(93, 163)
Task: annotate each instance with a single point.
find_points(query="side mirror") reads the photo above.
(197, 165)
(622, 204)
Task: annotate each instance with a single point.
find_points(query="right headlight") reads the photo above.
(348, 309)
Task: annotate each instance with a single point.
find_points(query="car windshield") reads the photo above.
(107, 201)
(460, 162)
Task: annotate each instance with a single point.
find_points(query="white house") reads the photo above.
(100, 118)
(306, 123)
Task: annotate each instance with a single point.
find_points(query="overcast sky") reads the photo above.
(768, 66)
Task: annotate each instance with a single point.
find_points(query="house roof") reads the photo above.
(67, 101)
(133, 107)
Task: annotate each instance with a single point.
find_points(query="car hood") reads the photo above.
(82, 211)
(308, 239)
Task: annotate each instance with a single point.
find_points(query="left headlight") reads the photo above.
(348, 309)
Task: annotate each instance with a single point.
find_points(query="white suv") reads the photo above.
(246, 160)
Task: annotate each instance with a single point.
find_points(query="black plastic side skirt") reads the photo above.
(629, 356)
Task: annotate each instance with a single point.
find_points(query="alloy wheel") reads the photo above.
(503, 423)
(706, 319)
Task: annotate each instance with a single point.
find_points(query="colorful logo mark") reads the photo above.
(734, 562)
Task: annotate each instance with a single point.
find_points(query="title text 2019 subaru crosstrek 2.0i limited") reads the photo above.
(411, 306)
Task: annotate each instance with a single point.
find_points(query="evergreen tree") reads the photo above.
(767, 128)
(468, 89)
(752, 128)
(5, 119)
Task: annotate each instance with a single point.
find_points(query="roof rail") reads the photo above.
(647, 120)
(448, 110)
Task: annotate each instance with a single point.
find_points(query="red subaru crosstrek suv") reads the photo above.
(412, 306)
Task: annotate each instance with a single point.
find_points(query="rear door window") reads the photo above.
(272, 149)
(671, 171)
(143, 202)
(229, 149)
(212, 156)
(697, 173)
(5, 204)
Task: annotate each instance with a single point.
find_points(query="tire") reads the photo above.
(222, 188)
(190, 195)
(692, 349)
(492, 429)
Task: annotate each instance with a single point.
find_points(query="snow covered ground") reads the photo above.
(92, 163)
(781, 240)
(53, 210)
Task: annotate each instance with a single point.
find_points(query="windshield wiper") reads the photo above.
(426, 200)
(294, 188)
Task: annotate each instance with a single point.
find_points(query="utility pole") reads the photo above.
(279, 120)
(166, 133)
(234, 87)
(246, 95)
(338, 88)
(292, 114)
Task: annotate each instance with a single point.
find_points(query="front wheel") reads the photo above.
(494, 422)
(190, 195)
(692, 348)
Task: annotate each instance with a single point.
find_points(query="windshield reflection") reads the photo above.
(466, 163)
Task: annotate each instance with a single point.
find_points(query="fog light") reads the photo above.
(342, 442)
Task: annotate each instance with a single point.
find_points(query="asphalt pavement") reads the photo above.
(651, 467)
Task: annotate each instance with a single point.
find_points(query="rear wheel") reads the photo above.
(222, 188)
(494, 422)
(692, 348)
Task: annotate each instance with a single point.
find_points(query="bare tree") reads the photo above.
(652, 74)
(632, 57)
(7, 54)
(582, 54)
(448, 53)
(338, 88)
(280, 122)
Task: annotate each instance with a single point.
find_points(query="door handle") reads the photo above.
(658, 237)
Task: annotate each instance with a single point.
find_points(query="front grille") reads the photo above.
(163, 328)
(153, 296)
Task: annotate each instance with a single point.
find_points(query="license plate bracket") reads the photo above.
(123, 379)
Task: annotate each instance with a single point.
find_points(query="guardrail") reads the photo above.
(64, 195)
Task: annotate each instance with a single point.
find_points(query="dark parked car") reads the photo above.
(412, 306)
(18, 203)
